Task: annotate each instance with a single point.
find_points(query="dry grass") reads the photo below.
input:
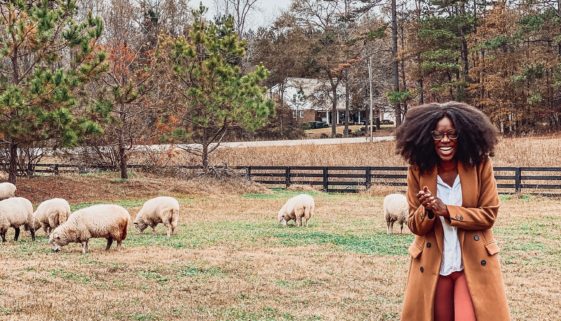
(534, 151)
(231, 261)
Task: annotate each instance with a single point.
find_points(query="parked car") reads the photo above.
(386, 122)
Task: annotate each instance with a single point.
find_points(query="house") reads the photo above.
(310, 100)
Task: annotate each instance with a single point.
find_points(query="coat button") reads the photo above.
(429, 245)
(461, 218)
(476, 237)
(483, 262)
(422, 269)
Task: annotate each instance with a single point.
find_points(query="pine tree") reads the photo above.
(46, 58)
(215, 94)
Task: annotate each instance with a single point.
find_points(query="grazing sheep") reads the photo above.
(396, 208)
(295, 208)
(97, 221)
(15, 212)
(162, 209)
(7, 190)
(50, 214)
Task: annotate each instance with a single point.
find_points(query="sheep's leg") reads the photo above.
(299, 221)
(84, 247)
(109, 242)
(16, 236)
(168, 226)
(3, 235)
(401, 229)
(388, 227)
(391, 227)
(119, 244)
(153, 229)
(32, 231)
(47, 229)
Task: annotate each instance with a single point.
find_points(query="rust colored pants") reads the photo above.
(452, 301)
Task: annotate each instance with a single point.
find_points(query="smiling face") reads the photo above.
(445, 139)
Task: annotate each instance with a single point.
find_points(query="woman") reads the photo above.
(455, 272)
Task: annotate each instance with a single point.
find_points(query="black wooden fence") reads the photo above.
(350, 179)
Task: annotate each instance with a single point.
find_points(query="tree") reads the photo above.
(215, 94)
(46, 58)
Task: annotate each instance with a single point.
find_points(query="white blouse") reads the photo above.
(452, 253)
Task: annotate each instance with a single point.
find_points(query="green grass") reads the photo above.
(70, 276)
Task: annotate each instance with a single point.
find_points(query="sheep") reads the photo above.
(161, 209)
(50, 214)
(7, 190)
(98, 221)
(396, 208)
(295, 208)
(15, 212)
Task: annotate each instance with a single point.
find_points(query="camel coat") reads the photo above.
(474, 220)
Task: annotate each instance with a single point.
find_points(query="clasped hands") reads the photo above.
(432, 203)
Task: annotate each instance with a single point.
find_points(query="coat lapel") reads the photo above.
(468, 179)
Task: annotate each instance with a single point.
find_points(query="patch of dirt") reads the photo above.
(107, 186)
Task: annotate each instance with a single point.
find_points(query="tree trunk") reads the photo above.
(123, 158)
(395, 66)
(334, 107)
(13, 167)
(122, 150)
(205, 157)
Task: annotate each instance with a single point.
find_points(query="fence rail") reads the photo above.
(349, 179)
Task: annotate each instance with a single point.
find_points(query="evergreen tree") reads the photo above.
(215, 94)
(46, 58)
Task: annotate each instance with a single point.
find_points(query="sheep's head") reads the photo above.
(282, 217)
(140, 226)
(58, 239)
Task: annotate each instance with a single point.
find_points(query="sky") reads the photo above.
(266, 13)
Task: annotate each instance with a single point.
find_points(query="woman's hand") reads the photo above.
(432, 203)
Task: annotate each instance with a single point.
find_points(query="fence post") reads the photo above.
(56, 169)
(325, 179)
(368, 179)
(248, 173)
(287, 176)
(517, 180)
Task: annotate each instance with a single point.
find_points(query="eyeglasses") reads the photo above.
(436, 135)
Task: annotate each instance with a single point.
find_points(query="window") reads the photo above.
(301, 114)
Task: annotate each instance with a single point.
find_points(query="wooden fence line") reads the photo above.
(347, 179)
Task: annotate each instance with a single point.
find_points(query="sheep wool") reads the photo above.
(396, 208)
(15, 212)
(158, 210)
(7, 190)
(107, 221)
(299, 207)
(50, 214)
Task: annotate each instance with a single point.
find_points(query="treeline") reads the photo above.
(503, 57)
(107, 75)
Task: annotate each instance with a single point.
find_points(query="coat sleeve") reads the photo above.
(482, 217)
(418, 221)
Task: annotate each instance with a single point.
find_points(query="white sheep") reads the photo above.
(15, 212)
(98, 221)
(50, 214)
(396, 208)
(7, 190)
(296, 208)
(161, 209)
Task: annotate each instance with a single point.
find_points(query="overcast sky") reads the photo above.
(264, 16)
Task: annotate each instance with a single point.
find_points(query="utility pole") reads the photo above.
(371, 117)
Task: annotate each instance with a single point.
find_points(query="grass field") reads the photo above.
(231, 261)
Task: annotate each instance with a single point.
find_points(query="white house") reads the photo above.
(310, 100)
